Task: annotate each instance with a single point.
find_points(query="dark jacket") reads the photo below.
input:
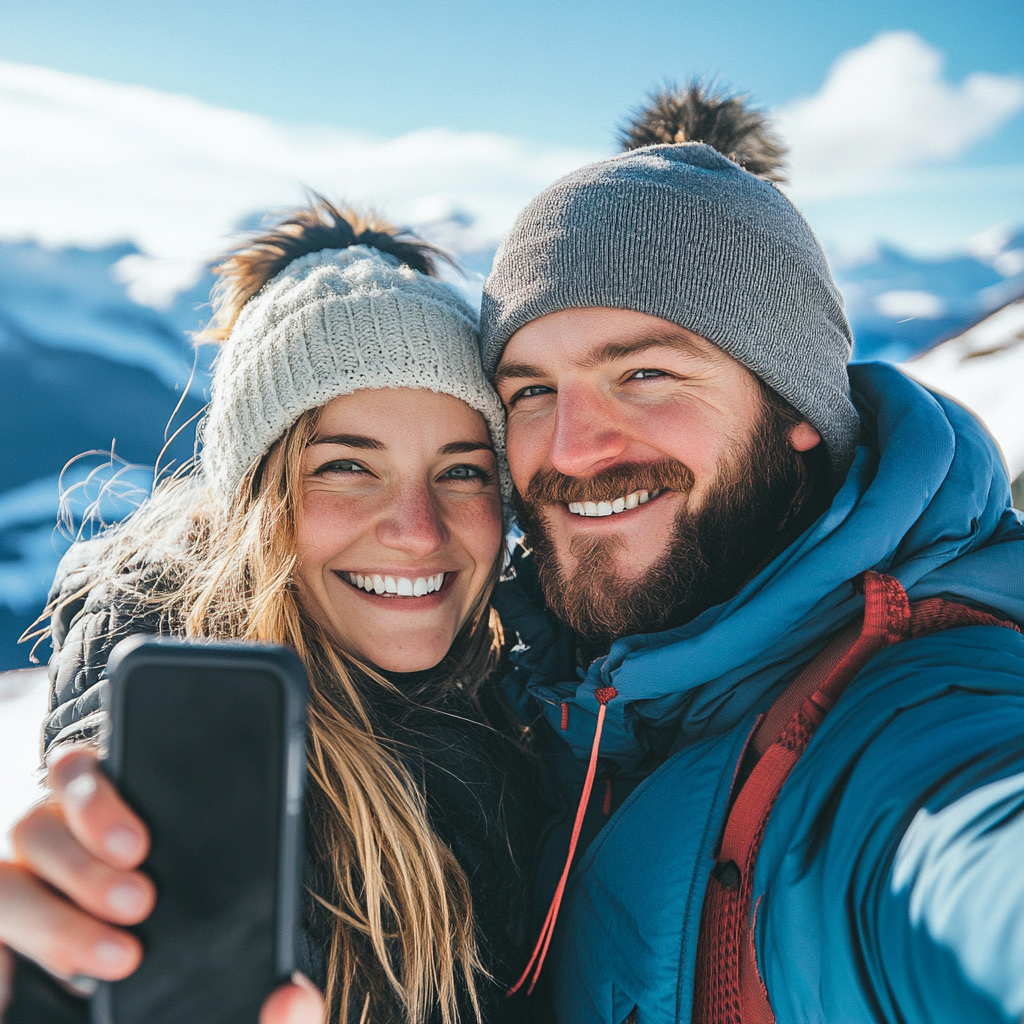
(889, 881)
(475, 778)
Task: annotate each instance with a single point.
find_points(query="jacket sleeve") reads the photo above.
(89, 623)
(905, 898)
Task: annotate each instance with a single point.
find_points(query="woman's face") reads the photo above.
(399, 524)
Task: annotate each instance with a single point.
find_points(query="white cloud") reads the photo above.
(87, 161)
(884, 108)
(910, 305)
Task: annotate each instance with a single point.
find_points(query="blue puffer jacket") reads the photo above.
(891, 876)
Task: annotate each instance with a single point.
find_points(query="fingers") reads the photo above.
(6, 978)
(44, 844)
(65, 940)
(72, 877)
(96, 815)
(297, 1003)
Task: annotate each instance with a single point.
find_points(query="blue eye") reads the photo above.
(466, 472)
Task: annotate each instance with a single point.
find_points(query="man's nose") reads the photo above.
(586, 437)
(412, 523)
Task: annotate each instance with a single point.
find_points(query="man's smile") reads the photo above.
(613, 507)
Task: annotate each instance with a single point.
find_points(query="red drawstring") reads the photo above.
(606, 807)
(540, 951)
(565, 716)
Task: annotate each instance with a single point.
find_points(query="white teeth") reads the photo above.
(608, 508)
(401, 586)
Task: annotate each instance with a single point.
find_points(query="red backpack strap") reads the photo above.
(728, 988)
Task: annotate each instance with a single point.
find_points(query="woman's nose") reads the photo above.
(412, 522)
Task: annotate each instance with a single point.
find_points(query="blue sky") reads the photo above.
(906, 118)
(560, 72)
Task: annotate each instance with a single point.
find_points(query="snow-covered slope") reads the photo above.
(983, 369)
(22, 706)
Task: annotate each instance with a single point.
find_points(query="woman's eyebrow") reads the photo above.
(464, 447)
(350, 441)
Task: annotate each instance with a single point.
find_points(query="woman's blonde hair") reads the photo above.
(403, 943)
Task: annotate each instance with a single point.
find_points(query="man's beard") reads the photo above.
(711, 552)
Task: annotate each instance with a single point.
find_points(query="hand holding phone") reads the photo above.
(75, 878)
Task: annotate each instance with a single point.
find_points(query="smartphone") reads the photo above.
(207, 746)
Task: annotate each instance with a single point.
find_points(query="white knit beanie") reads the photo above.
(331, 323)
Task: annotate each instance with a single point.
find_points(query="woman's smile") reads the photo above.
(383, 584)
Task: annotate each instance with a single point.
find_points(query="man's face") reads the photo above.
(626, 436)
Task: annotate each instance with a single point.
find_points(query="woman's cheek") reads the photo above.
(484, 522)
(325, 524)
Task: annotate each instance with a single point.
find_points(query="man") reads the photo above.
(703, 483)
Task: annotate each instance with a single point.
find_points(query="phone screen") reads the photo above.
(202, 752)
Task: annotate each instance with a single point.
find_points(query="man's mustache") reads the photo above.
(548, 486)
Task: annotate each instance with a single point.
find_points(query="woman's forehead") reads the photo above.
(402, 417)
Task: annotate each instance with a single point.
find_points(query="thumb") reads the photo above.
(296, 1003)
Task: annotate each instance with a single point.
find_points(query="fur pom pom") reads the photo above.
(701, 113)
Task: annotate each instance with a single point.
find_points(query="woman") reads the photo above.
(348, 503)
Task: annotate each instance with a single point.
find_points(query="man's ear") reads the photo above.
(803, 437)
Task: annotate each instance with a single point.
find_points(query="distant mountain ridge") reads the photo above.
(900, 305)
(83, 366)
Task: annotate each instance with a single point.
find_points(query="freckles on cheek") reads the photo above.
(481, 527)
(321, 525)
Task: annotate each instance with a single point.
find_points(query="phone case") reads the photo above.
(190, 663)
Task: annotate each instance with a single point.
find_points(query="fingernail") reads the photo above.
(110, 952)
(123, 843)
(126, 898)
(80, 789)
(298, 978)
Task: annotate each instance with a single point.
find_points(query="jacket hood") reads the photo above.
(927, 499)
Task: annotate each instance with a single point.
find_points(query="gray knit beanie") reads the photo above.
(331, 323)
(682, 233)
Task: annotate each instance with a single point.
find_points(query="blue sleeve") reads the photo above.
(902, 896)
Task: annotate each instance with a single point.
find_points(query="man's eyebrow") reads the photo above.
(608, 353)
(622, 349)
(465, 447)
(350, 441)
(516, 371)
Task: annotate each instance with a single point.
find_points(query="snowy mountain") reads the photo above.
(86, 365)
(900, 305)
(83, 368)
